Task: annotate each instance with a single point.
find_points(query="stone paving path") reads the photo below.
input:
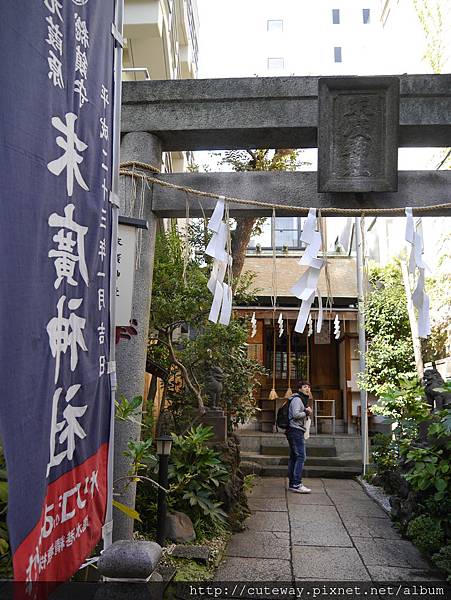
(336, 533)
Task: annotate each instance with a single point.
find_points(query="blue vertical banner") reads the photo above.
(56, 156)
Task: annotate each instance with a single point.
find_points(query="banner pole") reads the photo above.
(117, 34)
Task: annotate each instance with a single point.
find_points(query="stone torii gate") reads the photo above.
(222, 114)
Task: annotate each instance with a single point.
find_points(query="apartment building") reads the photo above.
(161, 42)
(308, 37)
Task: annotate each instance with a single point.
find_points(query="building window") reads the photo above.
(275, 64)
(336, 16)
(366, 15)
(274, 25)
(192, 29)
(337, 54)
(298, 354)
(287, 234)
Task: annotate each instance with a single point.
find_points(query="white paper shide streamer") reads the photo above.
(310, 325)
(307, 286)
(280, 323)
(414, 236)
(254, 325)
(221, 308)
(336, 327)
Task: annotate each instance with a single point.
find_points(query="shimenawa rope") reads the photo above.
(302, 209)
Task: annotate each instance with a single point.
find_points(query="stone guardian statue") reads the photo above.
(214, 386)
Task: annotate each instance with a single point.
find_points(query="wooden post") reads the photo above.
(413, 322)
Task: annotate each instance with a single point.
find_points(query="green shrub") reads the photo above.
(195, 473)
(405, 406)
(443, 560)
(390, 351)
(429, 467)
(249, 482)
(426, 533)
(128, 410)
(384, 453)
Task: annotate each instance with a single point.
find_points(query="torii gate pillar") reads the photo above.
(131, 354)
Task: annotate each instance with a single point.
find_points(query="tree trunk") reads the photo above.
(240, 243)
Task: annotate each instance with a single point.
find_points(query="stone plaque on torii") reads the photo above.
(358, 134)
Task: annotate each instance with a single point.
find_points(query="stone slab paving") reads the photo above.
(267, 504)
(346, 496)
(254, 569)
(389, 553)
(301, 512)
(370, 527)
(328, 564)
(315, 499)
(317, 534)
(260, 544)
(268, 521)
(268, 491)
(336, 533)
(360, 509)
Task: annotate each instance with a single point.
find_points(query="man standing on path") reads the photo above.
(297, 412)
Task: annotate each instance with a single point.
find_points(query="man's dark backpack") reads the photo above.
(282, 420)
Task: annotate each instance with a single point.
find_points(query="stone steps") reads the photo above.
(312, 450)
(334, 472)
(312, 460)
(327, 456)
(255, 441)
